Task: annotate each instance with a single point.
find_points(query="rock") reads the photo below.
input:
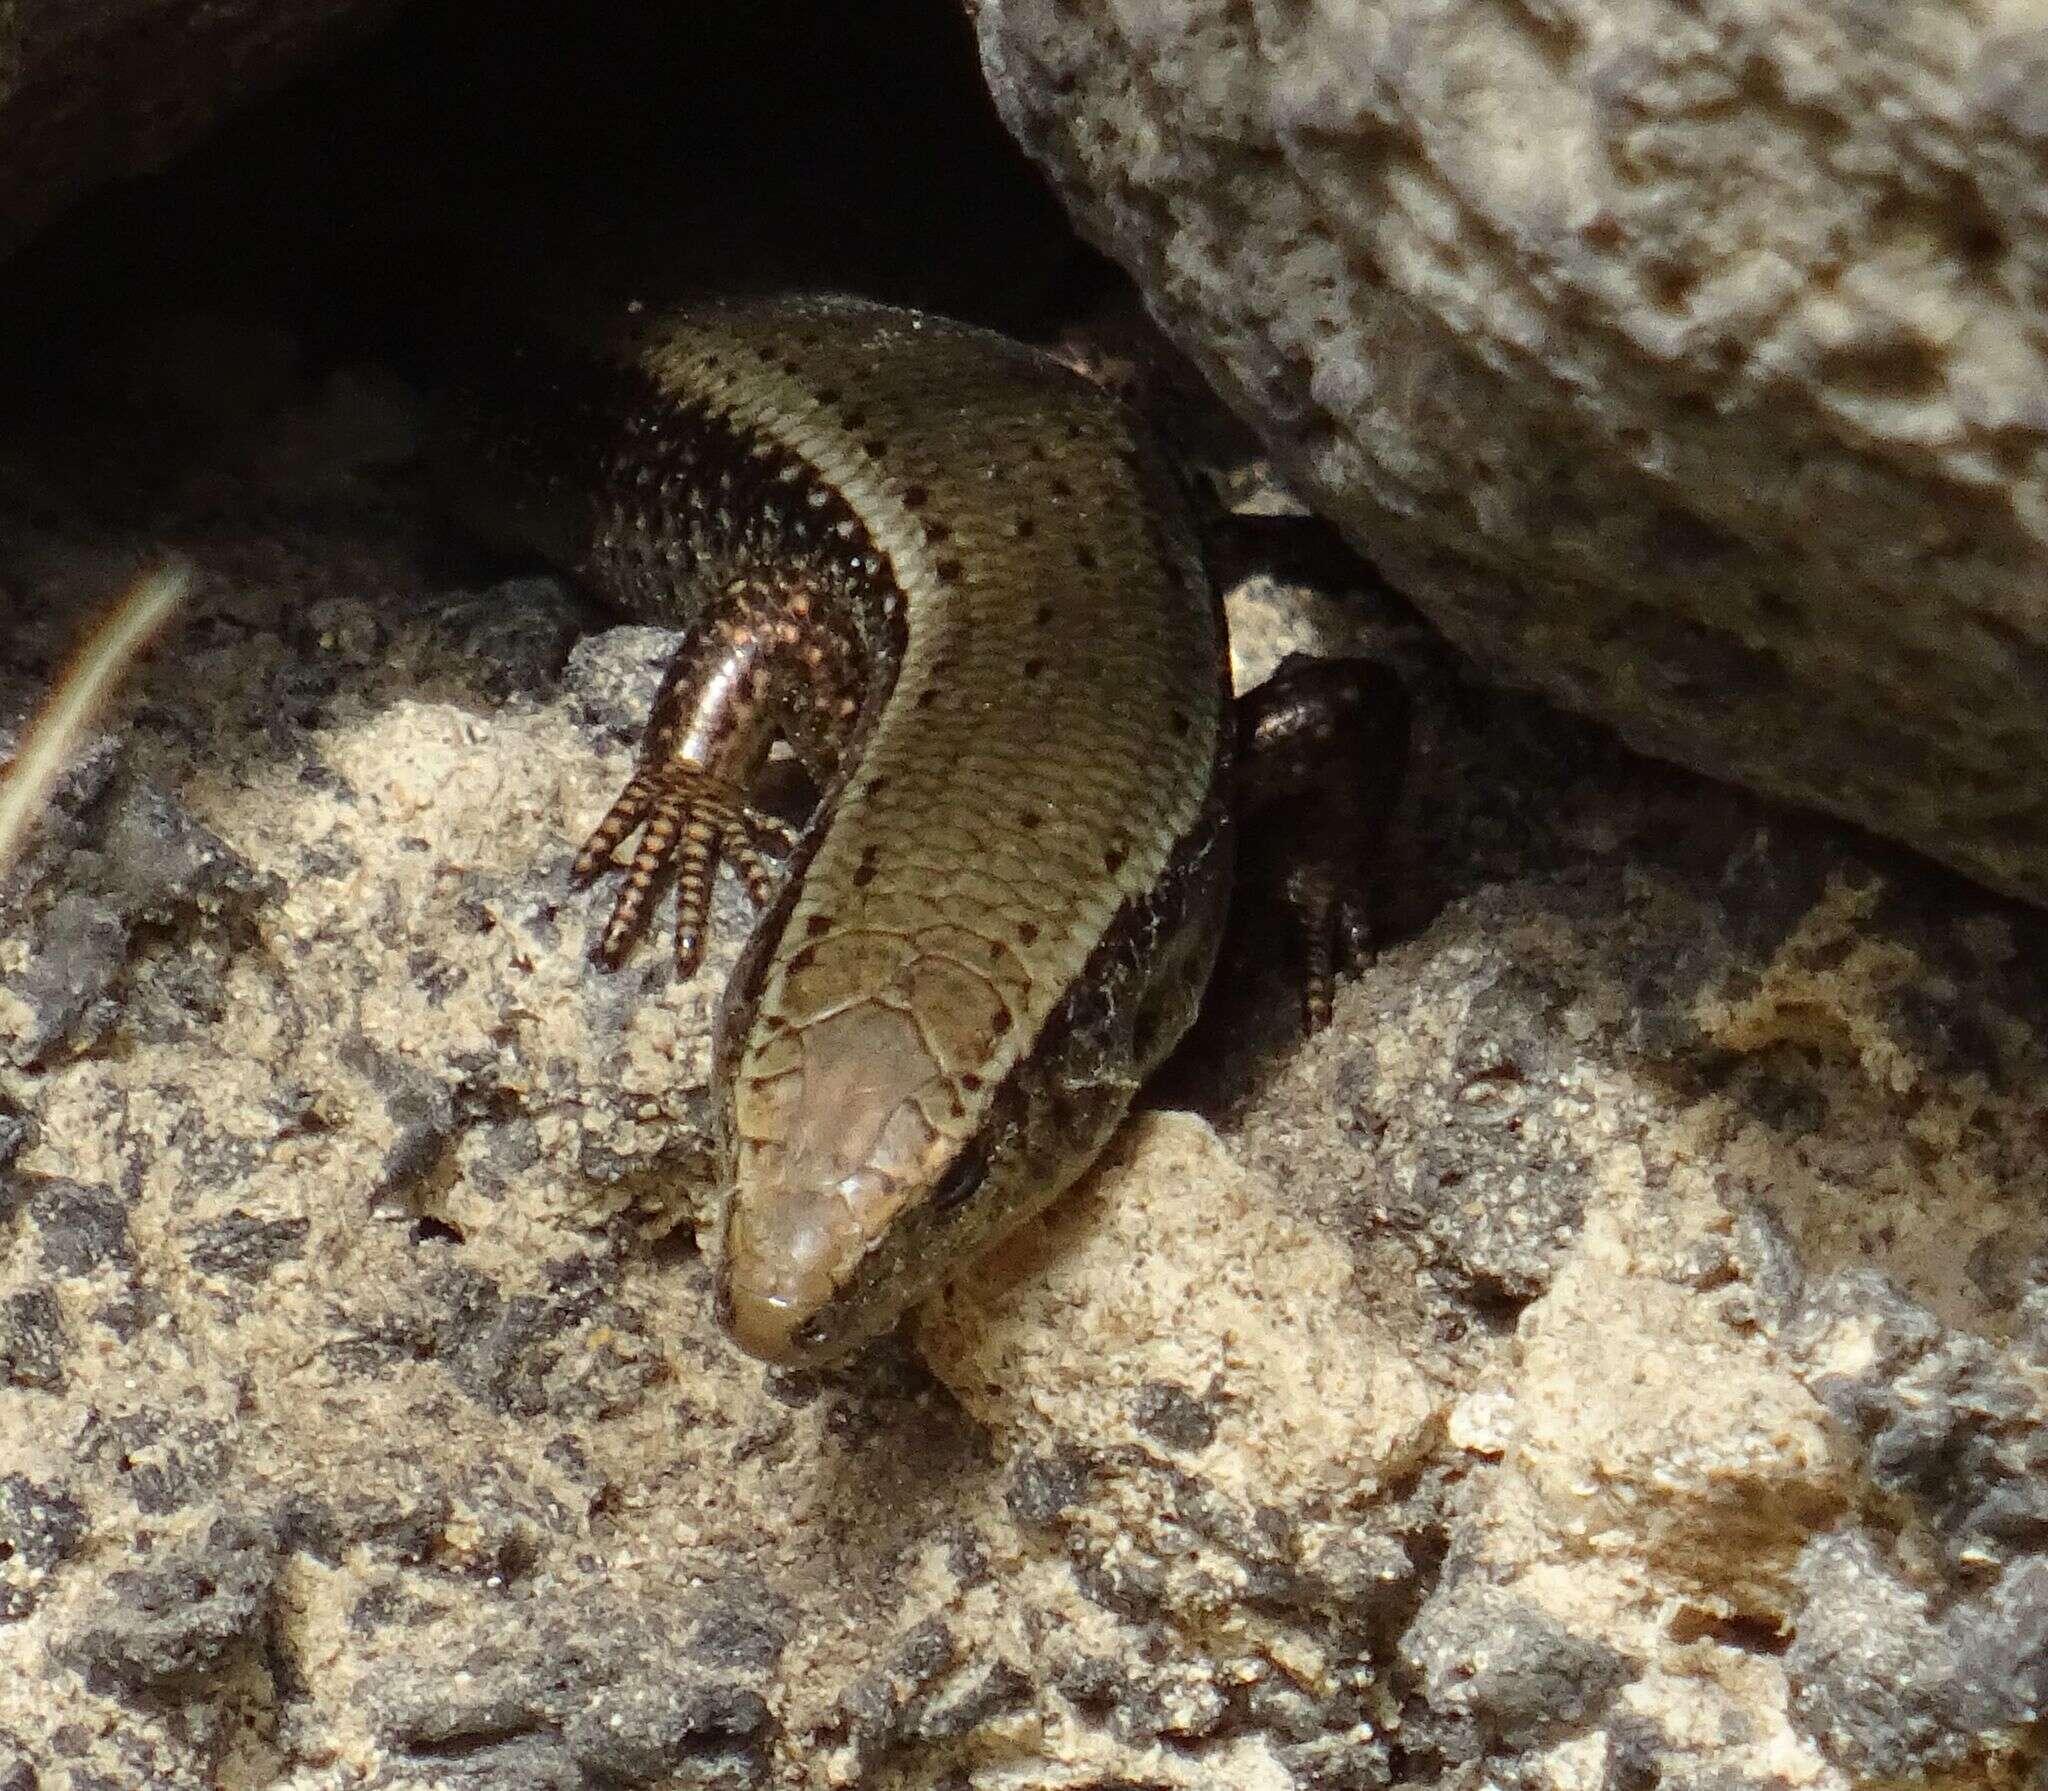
(1510, 1672)
(40, 1526)
(1691, 367)
(149, 866)
(78, 1227)
(33, 1347)
(1949, 1422)
(574, 1706)
(1873, 1679)
(156, 1629)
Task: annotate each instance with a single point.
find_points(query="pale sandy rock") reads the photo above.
(1689, 363)
(1652, 1431)
(1175, 1298)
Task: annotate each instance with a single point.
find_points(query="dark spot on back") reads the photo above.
(1026, 819)
(1042, 615)
(1182, 722)
(915, 497)
(1000, 1024)
(1084, 557)
(1113, 859)
(818, 923)
(1033, 667)
(971, 1082)
(949, 570)
(1024, 527)
(1027, 932)
(803, 960)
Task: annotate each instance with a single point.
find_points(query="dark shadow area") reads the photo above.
(469, 150)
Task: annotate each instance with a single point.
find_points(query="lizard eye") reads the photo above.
(962, 1180)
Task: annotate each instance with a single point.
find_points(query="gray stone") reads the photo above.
(245, 1247)
(1687, 369)
(78, 1227)
(33, 1344)
(157, 1629)
(1508, 1670)
(40, 1527)
(1944, 1420)
(1875, 1680)
(604, 1703)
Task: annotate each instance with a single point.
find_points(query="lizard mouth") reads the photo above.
(785, 1260)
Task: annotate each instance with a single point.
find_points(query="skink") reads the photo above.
(964, 586)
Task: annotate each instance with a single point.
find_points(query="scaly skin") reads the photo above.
(960, 581)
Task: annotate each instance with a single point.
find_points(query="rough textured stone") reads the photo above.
(572, 1705)
(156, 1628)
(1510, 1672)
(1689, 363)
(91, 90)
(32, 1342)
(39, 1527)
(78, 1227)
(1874, 1679)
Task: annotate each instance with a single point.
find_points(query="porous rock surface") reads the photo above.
(1688, 362)
(92, 90)
(1614, 1355)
